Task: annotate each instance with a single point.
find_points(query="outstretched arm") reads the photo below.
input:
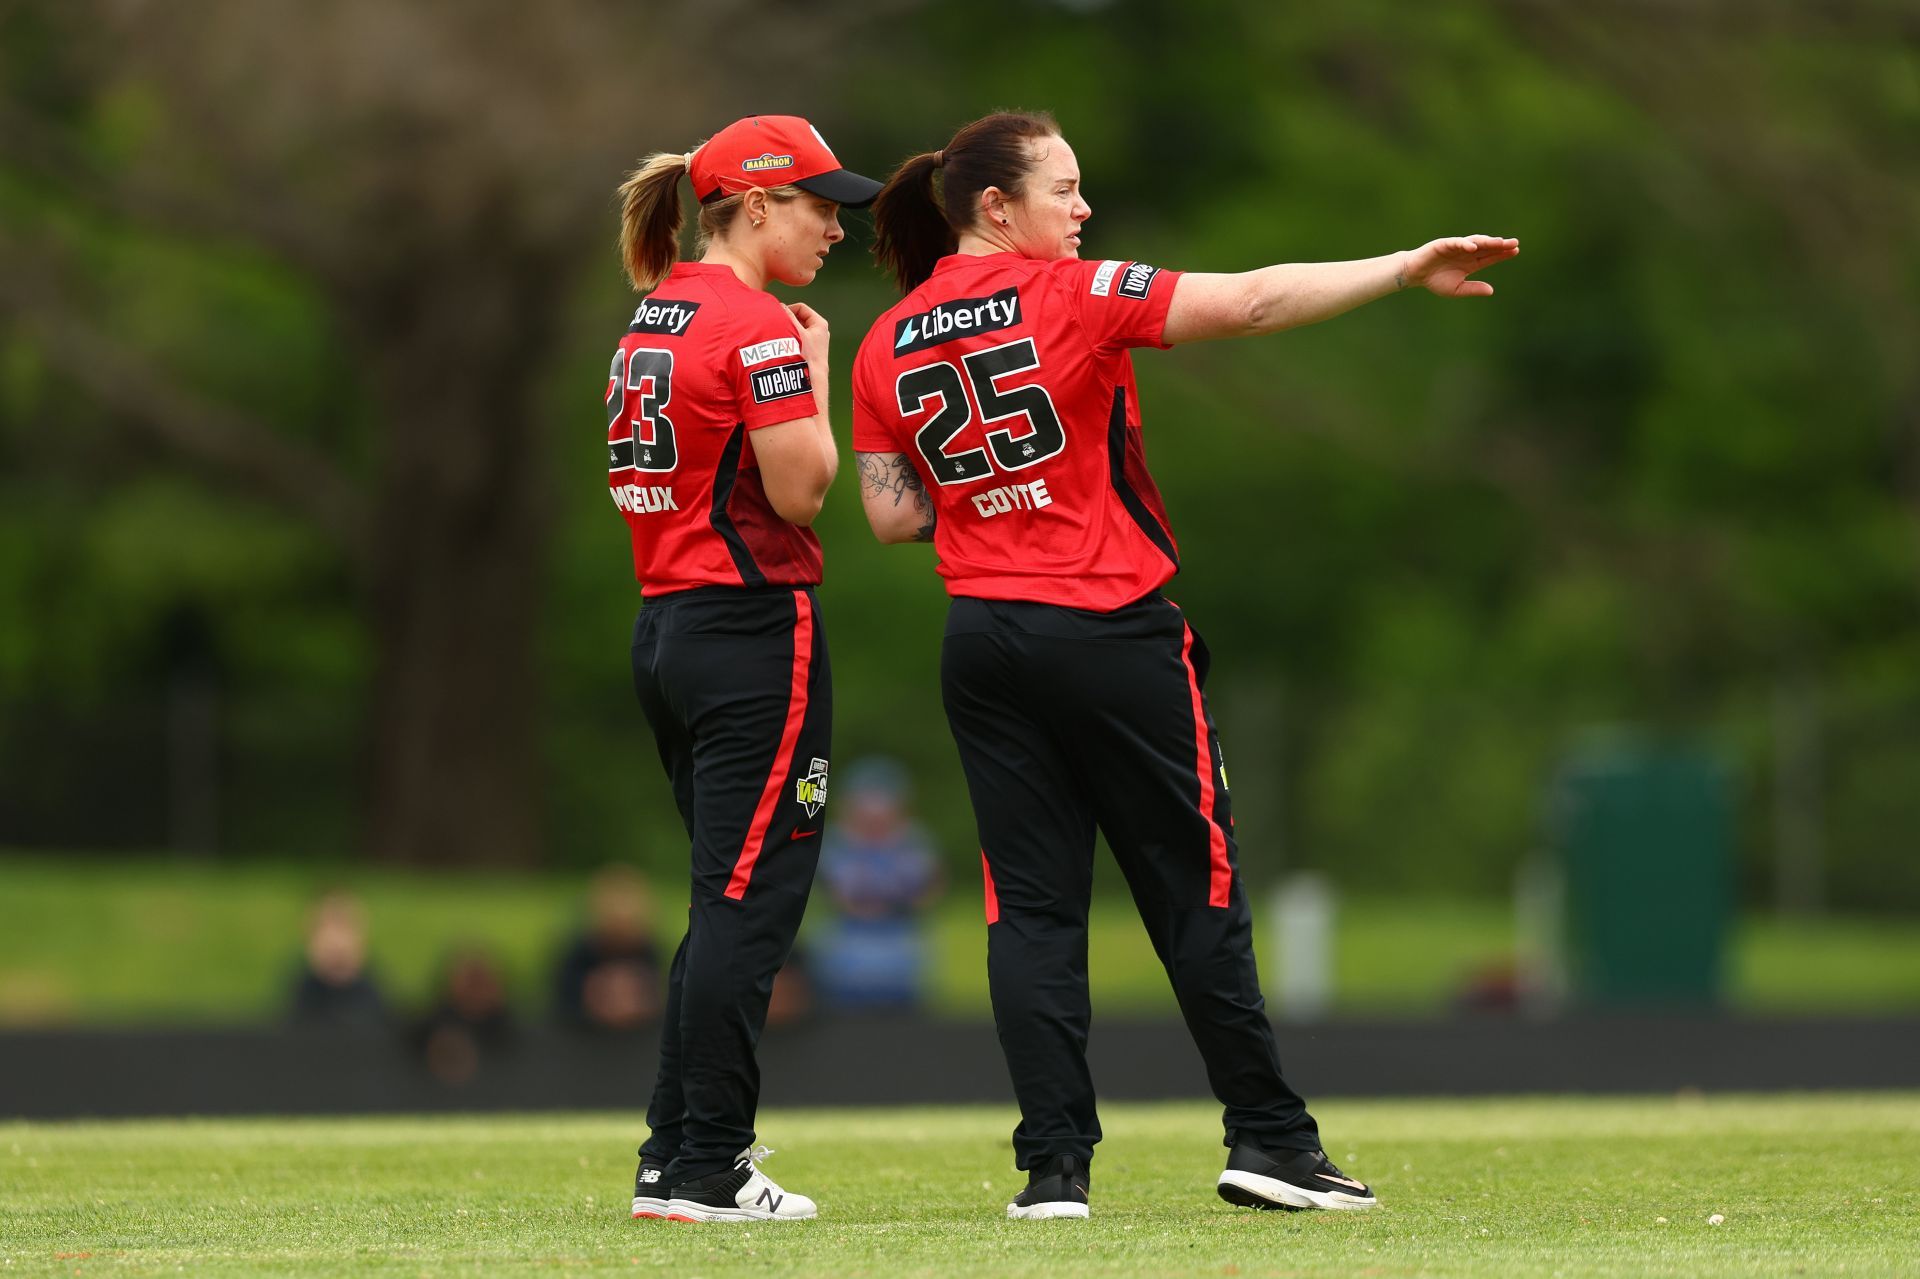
(1290, 295)
(896, 502)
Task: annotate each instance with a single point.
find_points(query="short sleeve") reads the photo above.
(873, 424)
(771, 380)
(1120, 304)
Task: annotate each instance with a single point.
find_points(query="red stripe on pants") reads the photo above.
(993, 898)
(1220, 881)
(783, 759)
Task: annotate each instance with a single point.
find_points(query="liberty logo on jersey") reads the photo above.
(957, 319)
(663, 317)
(810, 792)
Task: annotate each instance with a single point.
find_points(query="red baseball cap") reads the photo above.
(772, 151)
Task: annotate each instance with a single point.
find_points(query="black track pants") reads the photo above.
(736, 686)
(1065, 720)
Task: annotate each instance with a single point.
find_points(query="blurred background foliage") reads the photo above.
(304, 314)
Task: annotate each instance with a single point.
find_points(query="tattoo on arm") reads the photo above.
(882, 473)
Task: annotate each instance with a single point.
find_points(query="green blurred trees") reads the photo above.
(1669, 476)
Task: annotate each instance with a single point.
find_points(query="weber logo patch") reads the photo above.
(671, 318)
(1103, 278)
(773, 349)
(781, 381)
(1136, 280)
(959, 318)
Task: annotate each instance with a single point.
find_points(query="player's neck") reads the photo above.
(973, 244)
(748, 272)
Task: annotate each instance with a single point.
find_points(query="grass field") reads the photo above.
(1806, 1185)
(90, 940)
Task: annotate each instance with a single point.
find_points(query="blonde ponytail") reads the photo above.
(650, 219)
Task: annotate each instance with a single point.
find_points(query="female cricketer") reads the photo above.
(995, 413)
(719, 455)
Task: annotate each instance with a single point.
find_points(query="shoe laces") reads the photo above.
(755, 1155)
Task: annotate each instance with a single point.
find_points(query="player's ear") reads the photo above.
(993, 206)
(754, 205)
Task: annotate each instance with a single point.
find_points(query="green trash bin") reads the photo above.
(1643, 831)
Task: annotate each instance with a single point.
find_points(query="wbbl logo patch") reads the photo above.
(671, 318)
(957, 319)
(781, 381)
(810, 792)
(1137, 280)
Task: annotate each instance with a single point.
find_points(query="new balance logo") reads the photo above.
(770, 1201)
(957, 319)
(650, 1175)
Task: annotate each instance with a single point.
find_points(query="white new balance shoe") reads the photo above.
(742, 1194)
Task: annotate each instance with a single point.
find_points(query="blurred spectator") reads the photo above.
(468, 1019)
(609, 975)
(880, 872)
(334, 985)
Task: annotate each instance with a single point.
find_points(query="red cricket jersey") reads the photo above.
(1008, 384)
(706, 362)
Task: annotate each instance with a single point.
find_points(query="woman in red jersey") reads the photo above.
(995, 414)
(719, 455)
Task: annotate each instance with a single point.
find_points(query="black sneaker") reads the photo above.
(650, 1189)
(1056, 1188)
(1289, 1180)
(744, 1193)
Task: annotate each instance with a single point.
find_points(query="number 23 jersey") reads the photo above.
(706, 362)
(1008, 384)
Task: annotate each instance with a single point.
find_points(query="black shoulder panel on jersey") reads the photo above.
(723, 477)
(1117, 468)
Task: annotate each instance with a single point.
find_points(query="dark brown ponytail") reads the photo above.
(914, 225)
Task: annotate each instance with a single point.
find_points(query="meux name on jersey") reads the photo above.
(956, 319)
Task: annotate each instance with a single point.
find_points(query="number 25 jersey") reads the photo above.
(1008, 384)
(706, 362)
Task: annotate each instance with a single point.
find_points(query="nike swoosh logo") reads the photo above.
(802, 834)
(1345, 1181)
